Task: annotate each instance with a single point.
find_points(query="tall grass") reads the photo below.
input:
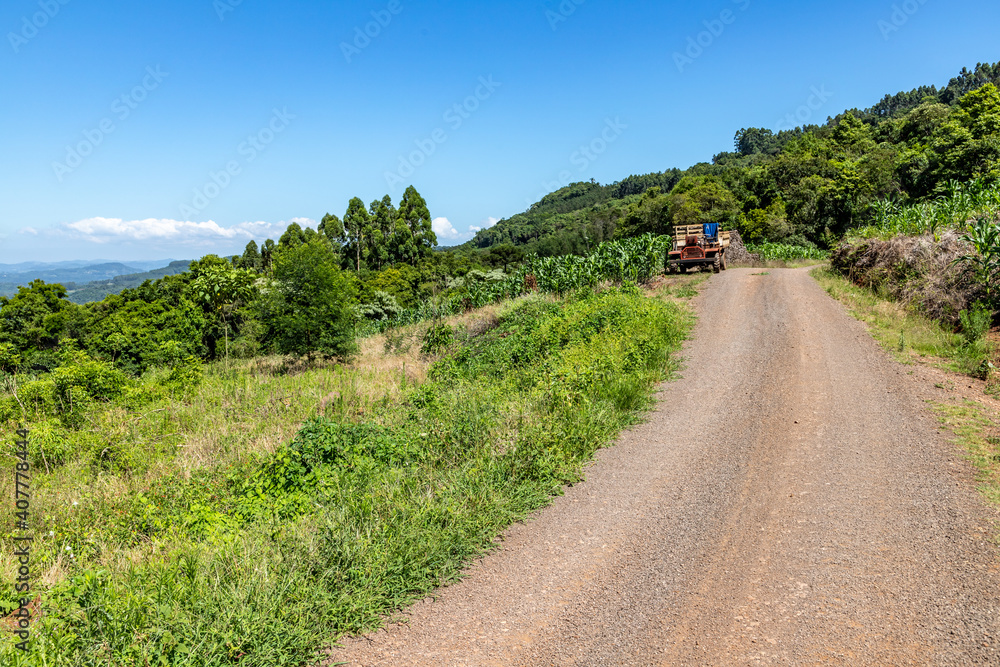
(265, 542)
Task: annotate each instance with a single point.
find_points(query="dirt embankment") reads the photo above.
(918, 270)
(790, 501)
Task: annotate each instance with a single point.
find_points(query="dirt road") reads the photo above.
(789, 502)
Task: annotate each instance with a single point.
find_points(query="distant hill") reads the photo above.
(87, 282)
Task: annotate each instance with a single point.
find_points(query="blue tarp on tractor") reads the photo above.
(711, 230)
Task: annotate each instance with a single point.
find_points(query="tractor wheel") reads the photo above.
(717, 263)
(724, 262)
(682, 268)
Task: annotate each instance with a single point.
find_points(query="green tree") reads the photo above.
(413, 236)
(702, 199)
(267, 254)
(382, 225)
(310, 305)
(504, 255)
(649, 214)
(251, 259)
(38, 316)
(332, 229)
(294, 236)
(968, 145)
(356, 226)
(222, 291)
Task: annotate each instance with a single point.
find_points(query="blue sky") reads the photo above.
(175, 129)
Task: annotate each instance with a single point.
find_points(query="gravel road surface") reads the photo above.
(789, 502)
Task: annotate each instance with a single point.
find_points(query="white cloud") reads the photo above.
(490, 221)
(485, 224)
(443, 229)
(28, 230)
(107, 230)
(304, 222)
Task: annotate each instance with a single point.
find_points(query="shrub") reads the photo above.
(975, 322)
(309, 308)
(437, 339)
(100, 380)
(10, 360)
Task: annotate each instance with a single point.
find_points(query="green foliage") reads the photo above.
(37, 317)
(964, 202)
(984, 237)
(976, 322)
(383, 306)
(309, 307)
(98, 380)
(10, 358)
(268, 558)
(437, 338)
(785, 252)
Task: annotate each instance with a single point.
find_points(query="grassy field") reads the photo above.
(257, 515)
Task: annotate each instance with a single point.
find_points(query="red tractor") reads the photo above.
(698, 245)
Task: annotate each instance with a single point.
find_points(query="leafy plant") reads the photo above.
(975, 323)
(984, 236)
(438, 337)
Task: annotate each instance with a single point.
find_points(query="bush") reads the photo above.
(975, 322)
(437, 339)
(10, 360)
(309, 307)
(382, 307)
(100, 380)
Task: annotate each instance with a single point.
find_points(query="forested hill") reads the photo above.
(806, 185)
(91, 282)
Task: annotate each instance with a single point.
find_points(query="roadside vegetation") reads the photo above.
(246, 511)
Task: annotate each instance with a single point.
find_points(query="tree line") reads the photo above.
(805, 186)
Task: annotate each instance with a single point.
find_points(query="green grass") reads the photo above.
(979, 435)
(904, 332)
(252, 520)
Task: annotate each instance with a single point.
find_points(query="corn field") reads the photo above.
(785, 252)
(637, 259)
(964, 202)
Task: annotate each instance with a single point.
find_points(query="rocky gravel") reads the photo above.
(737, 253)
(790, 501)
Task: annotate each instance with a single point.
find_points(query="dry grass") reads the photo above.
(918, 270)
